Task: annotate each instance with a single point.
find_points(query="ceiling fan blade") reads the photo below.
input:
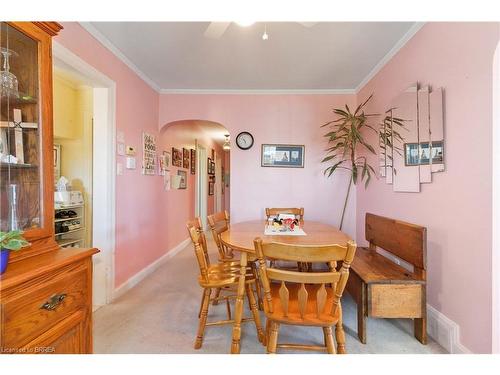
(308, 24)
(216, 29)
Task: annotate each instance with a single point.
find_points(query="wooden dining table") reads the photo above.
(240, 237)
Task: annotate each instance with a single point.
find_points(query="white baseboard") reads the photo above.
(444, 331)
(148, 270)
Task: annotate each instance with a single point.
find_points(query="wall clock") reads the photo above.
(244, 140)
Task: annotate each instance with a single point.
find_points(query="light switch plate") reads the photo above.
(120, 149)
(119, 169)
(131, 163)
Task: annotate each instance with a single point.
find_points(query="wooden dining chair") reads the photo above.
(220, 277)
(304, 298)
(219, 223)
(298, 212)
(197, 225)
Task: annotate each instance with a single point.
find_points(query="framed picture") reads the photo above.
(411, 154)
(211, 185)
(193, 161)
(185, 158)
(437, 152)
(420, 153)
(211, 166)
(167, 158)
(176, 157)
(183, 176)
(284, 156)
(149, 154)
(222, 184)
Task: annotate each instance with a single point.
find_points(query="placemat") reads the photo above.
(270, 232)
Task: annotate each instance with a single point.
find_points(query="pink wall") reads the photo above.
(138, 235)
(293, 119)
(456, 206)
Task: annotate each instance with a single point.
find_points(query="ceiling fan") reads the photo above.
(216, 29)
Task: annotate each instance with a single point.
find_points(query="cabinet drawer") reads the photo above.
(44, 305)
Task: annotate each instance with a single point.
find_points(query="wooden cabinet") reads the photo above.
(46, 292)
(46, 303)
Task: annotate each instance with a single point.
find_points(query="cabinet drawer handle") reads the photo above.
(53, 302)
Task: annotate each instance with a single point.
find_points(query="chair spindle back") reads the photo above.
(309, 254)
(200, 246)
(219, 222)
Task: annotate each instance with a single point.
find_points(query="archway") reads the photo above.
(207, 190)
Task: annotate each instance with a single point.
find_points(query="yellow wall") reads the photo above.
(73, 110)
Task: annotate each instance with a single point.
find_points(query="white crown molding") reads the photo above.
(394, 50)
(259, 92)
(116, 51)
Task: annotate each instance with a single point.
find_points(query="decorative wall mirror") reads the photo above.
(411, 139)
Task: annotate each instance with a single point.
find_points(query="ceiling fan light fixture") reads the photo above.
(265, 36)
(226, 146)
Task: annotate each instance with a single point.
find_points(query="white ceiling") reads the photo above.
(327, 56)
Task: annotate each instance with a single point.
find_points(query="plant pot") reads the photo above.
(4, 259)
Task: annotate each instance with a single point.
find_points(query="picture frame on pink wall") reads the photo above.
(185, 158)
(193, 161)
(149, 154)
(211, 185)
(283, 156)
(183, 182)
(176, 157)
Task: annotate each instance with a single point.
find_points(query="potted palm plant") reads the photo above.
(346, 134)
(10, 241)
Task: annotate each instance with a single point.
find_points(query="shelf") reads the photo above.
(69, 218)
(70, 231)
(24, 125)
(23, 99)
(67, 207)
(69, 242)
(17, 165)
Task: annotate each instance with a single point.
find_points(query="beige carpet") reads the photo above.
(160, 316)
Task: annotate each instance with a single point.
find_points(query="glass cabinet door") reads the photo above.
(20, 131)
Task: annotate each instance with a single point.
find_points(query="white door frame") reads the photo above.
(201, 190)
(104, 162)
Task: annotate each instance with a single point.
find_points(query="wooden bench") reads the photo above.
(384, 289)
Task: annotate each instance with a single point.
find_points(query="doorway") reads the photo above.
(100, 166)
